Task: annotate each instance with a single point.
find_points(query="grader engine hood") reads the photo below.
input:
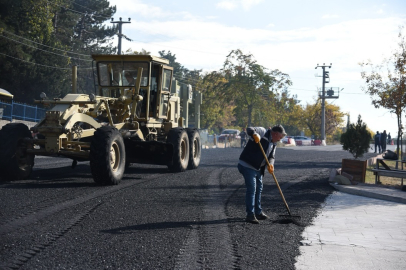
(71, 109)
(69, 120)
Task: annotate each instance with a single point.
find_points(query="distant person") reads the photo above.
(383, 141)
(252, 165)
(243, 136)
(389, 138)
(377, 138)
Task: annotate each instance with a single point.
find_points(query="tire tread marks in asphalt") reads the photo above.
(20, 259)
(209, 246)
(50, 209)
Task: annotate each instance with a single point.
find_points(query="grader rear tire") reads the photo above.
(107, 156)
(195, 148)
(180, 158)
(15, 162)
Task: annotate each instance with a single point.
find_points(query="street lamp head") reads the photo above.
(129, 19)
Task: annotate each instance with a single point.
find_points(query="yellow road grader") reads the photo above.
(134, 117)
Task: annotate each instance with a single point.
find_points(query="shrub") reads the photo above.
(356, 139)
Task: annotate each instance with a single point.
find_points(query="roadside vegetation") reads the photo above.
(41, 40)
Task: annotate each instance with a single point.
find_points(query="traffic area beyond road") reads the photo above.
(60, 219)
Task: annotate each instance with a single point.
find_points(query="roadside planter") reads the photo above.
(356, 168)
(356, 141)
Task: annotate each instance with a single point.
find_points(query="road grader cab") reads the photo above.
(134, 117)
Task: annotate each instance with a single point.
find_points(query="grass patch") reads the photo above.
(385, 181)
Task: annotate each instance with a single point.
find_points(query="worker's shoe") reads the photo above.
(262, 216)
(252, 219)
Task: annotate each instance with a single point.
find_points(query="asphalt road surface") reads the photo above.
(59, 219)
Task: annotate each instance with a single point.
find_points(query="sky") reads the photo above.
(293, 36)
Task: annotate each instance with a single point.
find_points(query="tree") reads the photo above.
(41, 40)
(312, 118)
(179, 71)
(287, 112)
(389, 90)
(216, 110)
(252, 87)
(356, 139)
(142, 52)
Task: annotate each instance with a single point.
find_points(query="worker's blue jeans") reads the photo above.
(253, 183)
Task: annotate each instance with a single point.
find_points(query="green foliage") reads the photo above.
(178, 69)
(389, 92)
(252, 88)
(312, 118)
(40, 41)
(356, 139)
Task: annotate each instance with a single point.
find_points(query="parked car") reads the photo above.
(234, 133)
(288, 139)
(303, 140)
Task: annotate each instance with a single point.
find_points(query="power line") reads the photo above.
(302, 89)
(36, 63)
(43, 44)
(45, 50)
(177, 47)
(73, 2)
(83, 13)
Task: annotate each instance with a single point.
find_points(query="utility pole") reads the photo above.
(326, 79)
(120, 30)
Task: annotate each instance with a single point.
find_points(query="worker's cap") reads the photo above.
(279, 128)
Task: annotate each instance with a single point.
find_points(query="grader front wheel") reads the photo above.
(107, 156)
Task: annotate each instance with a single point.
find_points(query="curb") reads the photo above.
(354, 190)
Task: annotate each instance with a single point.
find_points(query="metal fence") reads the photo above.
(20, 111)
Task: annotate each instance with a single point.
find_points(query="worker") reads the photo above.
(252, 166)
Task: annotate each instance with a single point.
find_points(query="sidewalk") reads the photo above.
(359, 227)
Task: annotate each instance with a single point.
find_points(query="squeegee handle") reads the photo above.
(274, 178)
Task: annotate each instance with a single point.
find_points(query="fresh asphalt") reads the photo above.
(158, 220)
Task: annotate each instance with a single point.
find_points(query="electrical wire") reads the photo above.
(43, 44)
(83, 13)
(37, 63)
(32, 62)
(45, 50)
(176, 47)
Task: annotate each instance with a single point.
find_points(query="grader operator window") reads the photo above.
(165, 93)
(115, 73)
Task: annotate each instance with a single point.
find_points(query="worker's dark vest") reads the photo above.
(252, 152)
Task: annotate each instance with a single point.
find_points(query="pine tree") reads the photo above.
(356, 139)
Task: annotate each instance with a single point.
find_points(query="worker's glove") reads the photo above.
(270, 169)
(256, 137)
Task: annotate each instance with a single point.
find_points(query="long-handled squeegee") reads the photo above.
(277, 184)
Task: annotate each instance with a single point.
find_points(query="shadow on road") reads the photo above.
(170, 225)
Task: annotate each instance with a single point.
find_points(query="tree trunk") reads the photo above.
(398, 150)
(249, 115)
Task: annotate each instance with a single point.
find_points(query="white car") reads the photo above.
(303, 140)
(234, 133)
(288, 140)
